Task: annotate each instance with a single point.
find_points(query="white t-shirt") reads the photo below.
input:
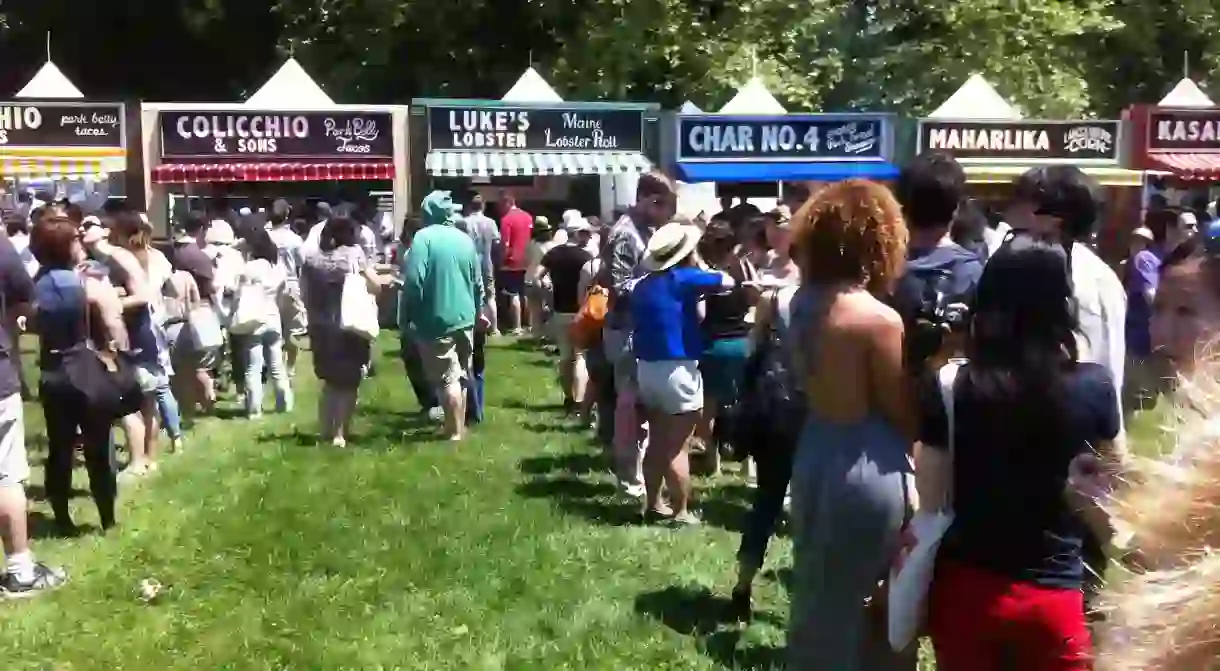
(533, 259)
(270, 278)
(1102, 305)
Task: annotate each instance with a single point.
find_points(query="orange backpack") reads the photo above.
(586, 329)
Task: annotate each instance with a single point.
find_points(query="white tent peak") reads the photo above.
(531, 88)
(290, 87)
(689, 107)
(1186, 94)
(50, 83)
(753, 98)
(976, 99)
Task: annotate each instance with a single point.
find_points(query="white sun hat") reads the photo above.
(669, 245)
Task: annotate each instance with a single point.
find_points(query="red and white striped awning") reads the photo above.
(182, 173)
(1189, 166)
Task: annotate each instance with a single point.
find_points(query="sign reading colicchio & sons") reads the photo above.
(61, 124)
(989, 141)
(1195, 131)
(276, 134)
(789, 137)
(457, 128)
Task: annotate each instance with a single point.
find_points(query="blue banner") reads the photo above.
(789, 137)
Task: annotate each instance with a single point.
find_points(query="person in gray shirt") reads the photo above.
(486, 235)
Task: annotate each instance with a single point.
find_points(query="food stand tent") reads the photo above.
(753, 98)
(1179, 136)
(531, 88)
(530, 91)
(753, 139)
(288, 131)
(1186, 94)
(689, 107)
(976, 99)
(72, 139)
(290, 88)
(994, 144)
(50, 84)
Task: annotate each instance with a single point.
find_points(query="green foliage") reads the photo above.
(1052, 58)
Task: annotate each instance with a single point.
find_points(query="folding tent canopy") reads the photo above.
(994, 144)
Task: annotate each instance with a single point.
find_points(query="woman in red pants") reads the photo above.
(1007, 590)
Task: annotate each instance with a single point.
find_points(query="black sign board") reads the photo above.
(277, 134)
(476, 128)
(1196, 131)
(1069, 141)
(790, 137)
(59, 124)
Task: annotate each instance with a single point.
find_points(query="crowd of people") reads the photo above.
(869, 353)
(865, 349)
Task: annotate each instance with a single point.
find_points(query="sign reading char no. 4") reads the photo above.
(535, 129)
(1023, 140)
(331, 135)
(38, 125)
(810, 137)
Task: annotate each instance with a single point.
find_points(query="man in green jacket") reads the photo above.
(441, 301)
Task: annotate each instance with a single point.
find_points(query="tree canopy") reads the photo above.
(1053, 58)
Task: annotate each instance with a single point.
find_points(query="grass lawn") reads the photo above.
(510, 551)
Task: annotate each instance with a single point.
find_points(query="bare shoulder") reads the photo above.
(870, 315)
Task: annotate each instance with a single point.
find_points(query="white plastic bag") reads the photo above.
(358, 308)
(205, 328)
(908, 589)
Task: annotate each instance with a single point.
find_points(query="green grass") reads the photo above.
(510, 551)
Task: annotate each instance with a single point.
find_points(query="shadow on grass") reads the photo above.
(724, 506)
(42, 526)
(39, 493)
(697, 612)
(572, 463)
(595, 501)
(514, 404)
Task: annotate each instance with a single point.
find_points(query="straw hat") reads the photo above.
(669, 245)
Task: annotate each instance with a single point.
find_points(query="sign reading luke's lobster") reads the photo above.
(577, 129)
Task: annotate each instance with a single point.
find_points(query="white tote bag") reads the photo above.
(908, 592)
(358, 308)
(205, 328)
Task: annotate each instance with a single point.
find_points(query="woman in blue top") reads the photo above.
(668, 342)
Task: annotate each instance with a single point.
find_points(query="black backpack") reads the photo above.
(929, 308)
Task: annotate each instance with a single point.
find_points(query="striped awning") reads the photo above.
(60, 167)
(1189, 166)
(183, 173)
(523, 163)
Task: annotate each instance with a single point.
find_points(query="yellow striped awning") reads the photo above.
(60, 166)
(1006, 173)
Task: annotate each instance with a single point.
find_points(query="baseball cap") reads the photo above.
(438, 208)
(577, 225)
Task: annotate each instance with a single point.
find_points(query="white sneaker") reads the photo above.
(436, 414)
(635, 491)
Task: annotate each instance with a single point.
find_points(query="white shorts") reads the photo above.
(559, 327)
(672, 387)
(14, 467)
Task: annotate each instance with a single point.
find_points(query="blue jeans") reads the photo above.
(474, 385)
(167, 408)
(266, 349)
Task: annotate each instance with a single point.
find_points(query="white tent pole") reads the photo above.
(48, 46)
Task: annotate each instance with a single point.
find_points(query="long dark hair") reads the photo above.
(1022, 343)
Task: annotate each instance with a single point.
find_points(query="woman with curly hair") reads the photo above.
(851, 462)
